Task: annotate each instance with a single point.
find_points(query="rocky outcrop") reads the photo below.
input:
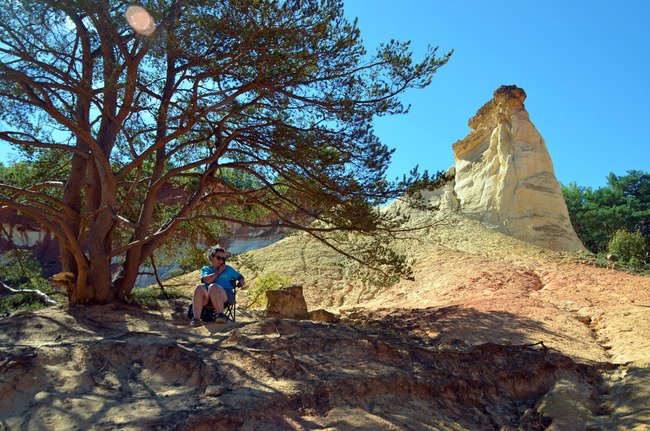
(287, 302)
(505, 178)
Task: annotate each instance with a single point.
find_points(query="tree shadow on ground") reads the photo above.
(630, 398)
(448, 368)
(462, 327)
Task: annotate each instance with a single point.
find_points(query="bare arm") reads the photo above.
(211, 278)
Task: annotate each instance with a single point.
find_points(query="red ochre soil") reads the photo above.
(493, 334)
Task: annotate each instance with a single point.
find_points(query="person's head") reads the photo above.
(216, 253)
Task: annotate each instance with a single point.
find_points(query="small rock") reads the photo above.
(214, 390)
(322, 315)
(234, 336)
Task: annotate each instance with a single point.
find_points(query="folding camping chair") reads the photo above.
(230, 310)
(208, 314)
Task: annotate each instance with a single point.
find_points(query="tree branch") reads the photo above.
(7, 291)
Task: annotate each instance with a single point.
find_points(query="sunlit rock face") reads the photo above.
(505, 178)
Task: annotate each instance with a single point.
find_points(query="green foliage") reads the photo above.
(245, 112)
(176, 272)
(19, 270)
(192, 257)
(36, 167)
(629, 247)
(246, 260)
(636, 264)
(391, 264)
(266, 282)
(26, 302)
(597, 215)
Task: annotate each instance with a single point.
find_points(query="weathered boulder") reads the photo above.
(322, 315)
(505, 177)
(287, 302)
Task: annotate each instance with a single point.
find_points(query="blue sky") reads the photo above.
(584, 65)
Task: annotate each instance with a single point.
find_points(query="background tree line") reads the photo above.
(623, 205)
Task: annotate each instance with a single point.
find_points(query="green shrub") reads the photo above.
(176, 272)
(25, 302)
(21, 271)
(629, 247)
(635, 264)
(266, 282)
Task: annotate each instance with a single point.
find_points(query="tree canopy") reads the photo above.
(596, 215)
(278, 94)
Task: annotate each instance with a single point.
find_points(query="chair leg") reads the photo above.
(231, 312)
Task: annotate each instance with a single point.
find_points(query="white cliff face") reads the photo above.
(505, 177)
(24, 237)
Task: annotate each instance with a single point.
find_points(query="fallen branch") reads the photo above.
(7, 291)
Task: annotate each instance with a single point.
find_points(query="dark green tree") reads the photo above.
(624, 203)
(280, 91)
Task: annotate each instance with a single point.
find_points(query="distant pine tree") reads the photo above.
(624, 203)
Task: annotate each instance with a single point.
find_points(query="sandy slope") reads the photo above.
(492, 334)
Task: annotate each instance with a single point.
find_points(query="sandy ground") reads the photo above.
(492, 334)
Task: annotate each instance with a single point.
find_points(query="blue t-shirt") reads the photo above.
(224, 278)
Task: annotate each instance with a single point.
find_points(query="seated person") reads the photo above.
(216, 287)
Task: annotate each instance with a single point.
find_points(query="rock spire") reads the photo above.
(505, 178)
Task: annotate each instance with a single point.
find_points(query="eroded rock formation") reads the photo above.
(287, 302)
(505, 177)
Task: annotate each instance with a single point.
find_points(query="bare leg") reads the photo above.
(218, 297)
(199, 300)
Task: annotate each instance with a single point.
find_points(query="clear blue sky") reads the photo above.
(584, 64)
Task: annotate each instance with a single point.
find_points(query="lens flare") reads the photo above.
(140, 20)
